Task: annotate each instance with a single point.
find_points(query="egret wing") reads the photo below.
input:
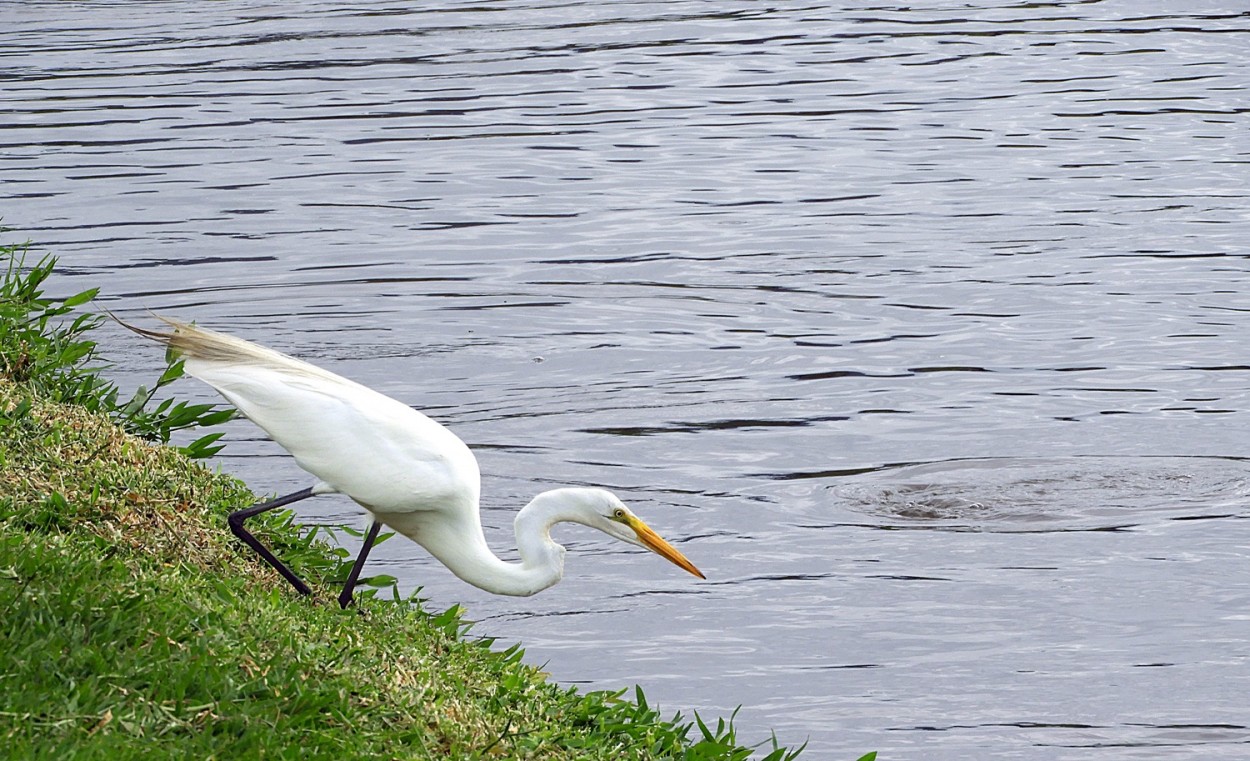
(382, 453)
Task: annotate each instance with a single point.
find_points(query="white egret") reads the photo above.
(409, 472)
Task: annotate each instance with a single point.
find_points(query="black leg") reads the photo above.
(236, 526)
(345, 598)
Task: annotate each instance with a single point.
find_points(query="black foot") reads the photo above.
(236, 526)
(345, 597)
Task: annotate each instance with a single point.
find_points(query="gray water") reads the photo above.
(922, 329)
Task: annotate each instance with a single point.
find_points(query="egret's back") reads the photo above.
(387, 456)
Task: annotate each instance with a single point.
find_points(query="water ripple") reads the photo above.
(846, 299)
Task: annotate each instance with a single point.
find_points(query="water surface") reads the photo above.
(922, 331)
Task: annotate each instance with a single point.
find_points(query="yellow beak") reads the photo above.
(656, 544)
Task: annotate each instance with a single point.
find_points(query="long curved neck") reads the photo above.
(461, 546)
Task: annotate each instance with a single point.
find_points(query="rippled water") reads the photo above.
(922, 329)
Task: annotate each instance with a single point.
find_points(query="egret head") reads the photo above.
(608, 514)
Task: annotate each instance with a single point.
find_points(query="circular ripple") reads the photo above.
(1052, 494)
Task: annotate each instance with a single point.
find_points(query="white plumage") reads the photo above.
(408, 471)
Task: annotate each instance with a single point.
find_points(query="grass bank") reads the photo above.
(135, 626)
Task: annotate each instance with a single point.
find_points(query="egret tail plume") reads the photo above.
(192, 341)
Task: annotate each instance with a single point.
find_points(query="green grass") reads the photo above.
(135, 626)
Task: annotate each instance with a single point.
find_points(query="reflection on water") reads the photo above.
(738, 263)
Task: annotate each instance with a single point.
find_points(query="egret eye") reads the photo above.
(619, 513)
